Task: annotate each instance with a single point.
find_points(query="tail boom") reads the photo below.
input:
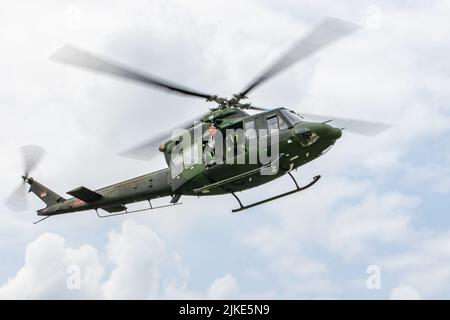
(111, 198)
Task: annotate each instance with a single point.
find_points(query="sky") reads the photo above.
(376, 226)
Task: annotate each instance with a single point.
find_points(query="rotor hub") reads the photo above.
(234, 102)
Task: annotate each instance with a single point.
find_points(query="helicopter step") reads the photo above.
(239, 176)
(297, 189)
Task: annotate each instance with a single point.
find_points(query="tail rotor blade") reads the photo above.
(32, 155)
(17, 201)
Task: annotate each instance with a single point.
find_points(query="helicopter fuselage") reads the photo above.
(299, 142)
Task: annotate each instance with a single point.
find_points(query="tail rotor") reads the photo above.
(32, 155)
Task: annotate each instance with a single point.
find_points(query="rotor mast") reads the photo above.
(234, 102)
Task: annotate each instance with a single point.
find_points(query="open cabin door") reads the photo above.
(186, 163)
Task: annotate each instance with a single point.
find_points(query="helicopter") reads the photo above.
(224, 151)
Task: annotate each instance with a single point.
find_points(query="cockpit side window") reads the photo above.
(275, 122)
(307, 137)
(291, 117)
(282, 124)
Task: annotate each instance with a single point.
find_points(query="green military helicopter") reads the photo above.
(195, 167)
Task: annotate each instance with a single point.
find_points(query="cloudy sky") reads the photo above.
(382, 203)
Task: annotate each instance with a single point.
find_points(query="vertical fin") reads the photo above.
(48, 196)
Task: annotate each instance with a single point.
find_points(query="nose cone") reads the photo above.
(328, 132)
(334, 133)
(325, 131)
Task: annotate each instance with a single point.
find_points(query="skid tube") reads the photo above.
(297, 189)
(134, 211)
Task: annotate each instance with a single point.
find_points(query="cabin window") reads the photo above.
(192, 154)
(197, 151)
(177, 164)
(272, 123)
(187, 152)
(250, 131)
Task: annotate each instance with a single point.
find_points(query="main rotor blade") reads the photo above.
(366, 128)
(252, 107)
(71, 55)
(327, 32)
(17, 201)
(148, 149)
(32, 155)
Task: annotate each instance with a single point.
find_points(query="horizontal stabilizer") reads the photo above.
(85, 194)
(115, 209)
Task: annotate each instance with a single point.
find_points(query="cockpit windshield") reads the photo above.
(291, 116)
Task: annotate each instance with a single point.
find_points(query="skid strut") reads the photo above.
(297, 189)
(46, 217)
(134, 211)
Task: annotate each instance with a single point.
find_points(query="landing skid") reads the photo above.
(40, 220)
(134, 211)
(297, 189)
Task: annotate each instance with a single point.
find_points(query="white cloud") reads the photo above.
(225, 287)
(137, 253)
(405, 292)
(434, 174)
(44, 274)
(134, 265)
(377, 218)
(345, 231)
(425, 263)
(347, 228)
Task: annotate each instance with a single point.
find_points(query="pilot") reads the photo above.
(209, 153)
(212, 130)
